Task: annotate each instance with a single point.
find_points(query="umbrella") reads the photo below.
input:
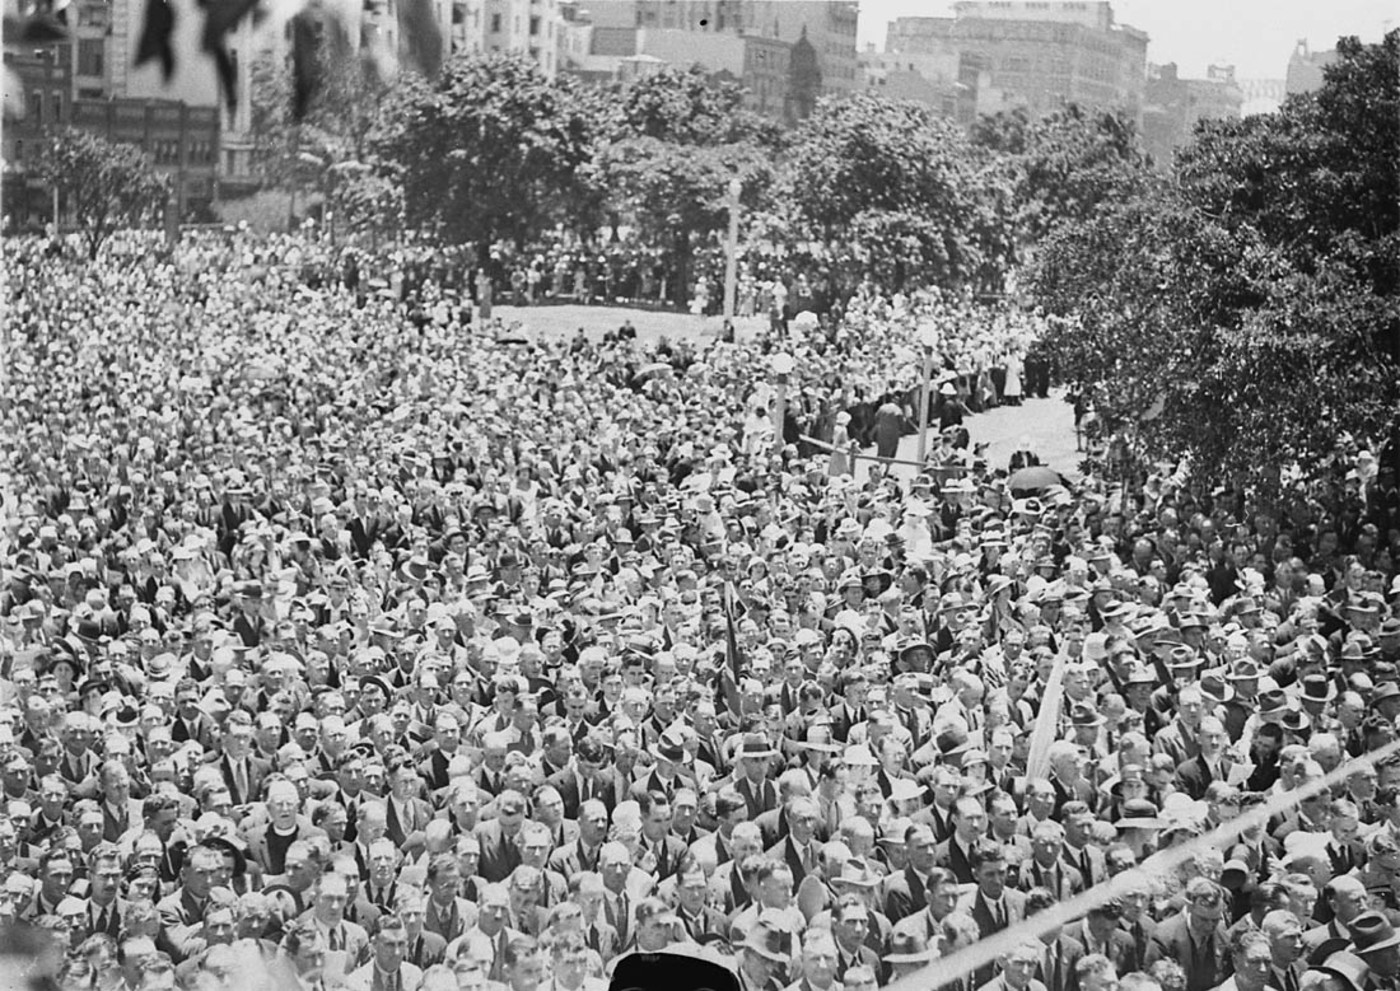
(648, 372)
(1036, 478)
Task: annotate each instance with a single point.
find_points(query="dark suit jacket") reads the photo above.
(1057, 972)
(669, 857)
(950, 854)
(787, 851)
(710, 922)
(416, 816)
(1203, 970)
(760, 799)
(425, 951)
(257, 770)
(976, 906)
(499, 855)
(1120, 947)
(1062, 879)
(566, 783)
(1097, 868)
(1193, 777)
(905, 894)
(203, 731)
(569, 860)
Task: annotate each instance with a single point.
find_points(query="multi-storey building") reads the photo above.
(181, 140)
(1174, 106)
(1038, 55)
(786, 53)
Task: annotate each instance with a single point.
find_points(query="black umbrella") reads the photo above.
(1029, 481)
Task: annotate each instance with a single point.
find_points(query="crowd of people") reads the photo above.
(346, 649)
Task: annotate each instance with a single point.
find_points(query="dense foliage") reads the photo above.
(103, 185)
(1247, 312)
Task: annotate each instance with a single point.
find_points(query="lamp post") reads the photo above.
(782, 364)
(731, 250)
(928, 338)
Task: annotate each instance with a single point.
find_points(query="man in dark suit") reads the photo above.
(242, 772)
(1062, 951)
(850, 921)
(969, 824)
(1046, 869)
(586, 776)
(799, 849)
(1099, 933)
(697, 918)
(660, 851)
(406, 814)
(1017, 971)
(582, 853)
(500, 850)
(1195, 775)
(1079, 850)
(1194, 937)
(905, 891)
(1285, 934)
(991, 904)
(191, 722)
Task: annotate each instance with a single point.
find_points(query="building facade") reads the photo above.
(785, 52)
(181, 141)
(1174, 106)
(1035, 55)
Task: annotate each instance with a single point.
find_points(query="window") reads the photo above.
(534, 26)
(495, 23)
(459, 14)
(57, 107)
(36, 105)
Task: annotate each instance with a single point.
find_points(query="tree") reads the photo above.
(490, 150)
(104, 185)
(1245, 312)
(897, 193)
(688, 107)
(676, 194)
(1062, 166)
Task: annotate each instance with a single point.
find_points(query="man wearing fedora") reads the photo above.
(765, 955)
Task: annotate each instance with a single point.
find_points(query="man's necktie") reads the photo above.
(1087, 867)
(240, 780)
(337, 940)
(1001, 915)
(1052, 968)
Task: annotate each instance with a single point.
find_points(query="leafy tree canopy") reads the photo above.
(491, 149)
(1245, 312)
(103, 184)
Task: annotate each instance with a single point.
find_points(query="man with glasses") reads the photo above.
(424, 948)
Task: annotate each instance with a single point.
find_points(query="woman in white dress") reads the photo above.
(840, 443)
(1011, 395)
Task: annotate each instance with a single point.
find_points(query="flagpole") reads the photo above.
(1047, 723)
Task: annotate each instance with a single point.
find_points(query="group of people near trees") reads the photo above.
(341, 648)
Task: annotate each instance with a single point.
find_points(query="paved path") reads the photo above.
(1048, 425)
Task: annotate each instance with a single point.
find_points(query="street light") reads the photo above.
(782, 364)
(928, 337)
(731, 249)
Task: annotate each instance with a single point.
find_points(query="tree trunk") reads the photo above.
(682, 281)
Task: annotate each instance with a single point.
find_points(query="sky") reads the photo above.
(1256, 36)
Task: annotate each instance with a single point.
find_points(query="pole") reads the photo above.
(731, 250)
(780, 412)
(924, 404)
(55, 209)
